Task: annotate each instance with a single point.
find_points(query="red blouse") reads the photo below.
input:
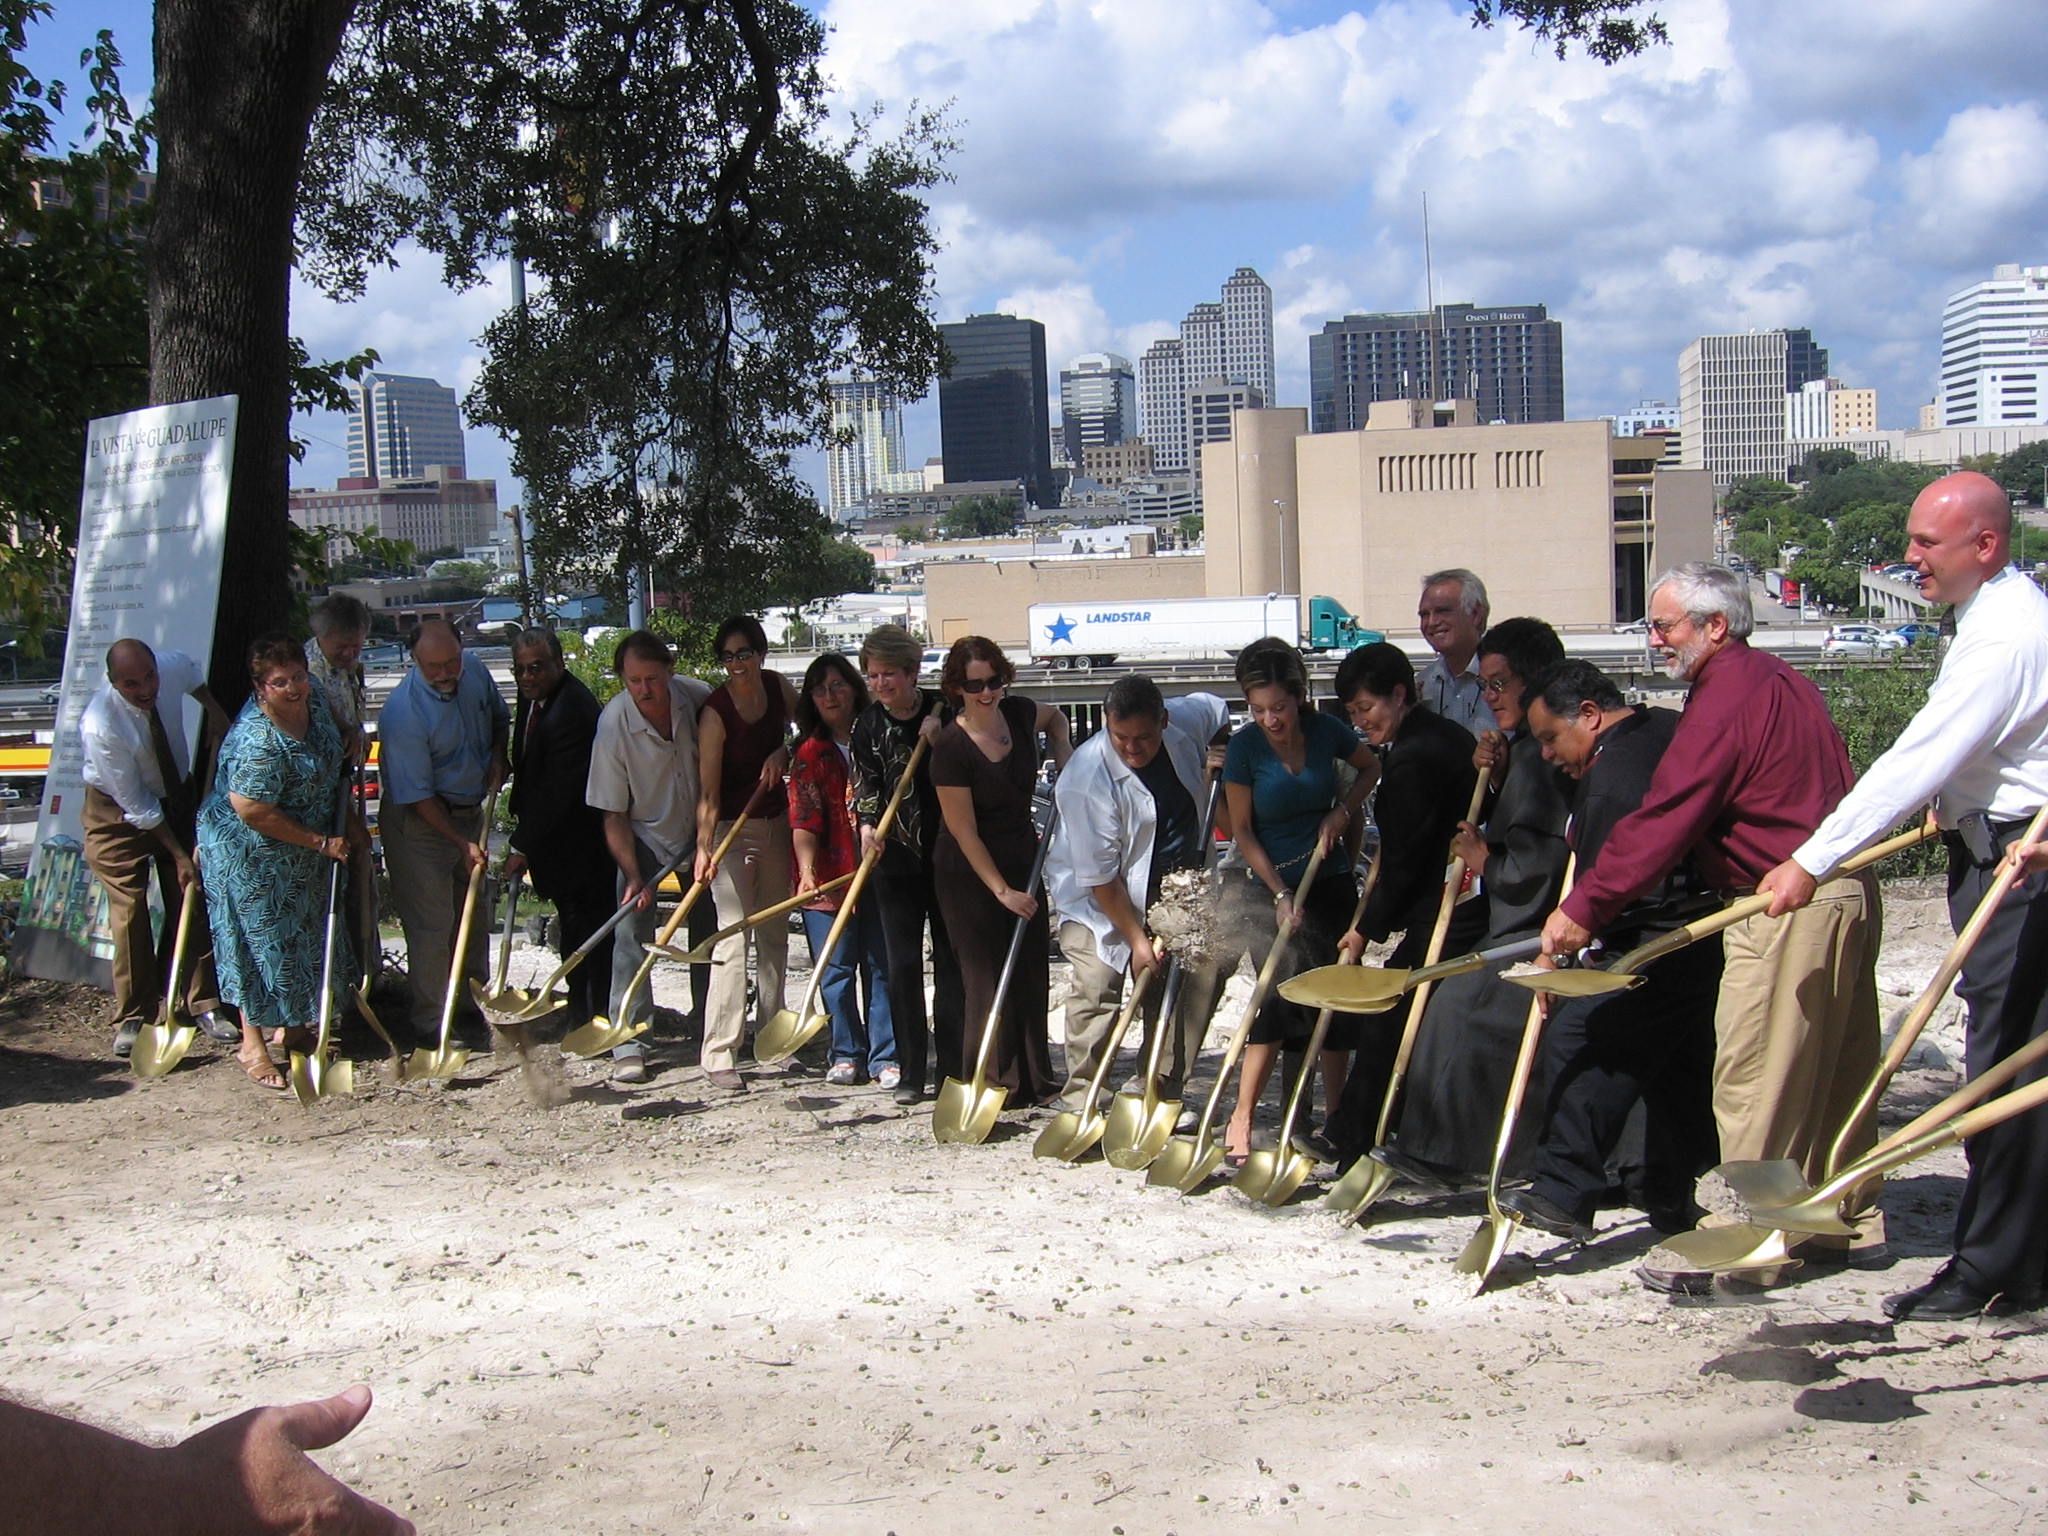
(821, 803)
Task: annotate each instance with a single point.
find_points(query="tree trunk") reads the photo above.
(237, 82)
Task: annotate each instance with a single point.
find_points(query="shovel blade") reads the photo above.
(1128, 1113)
(538, 1005)
(160, 1047)
(1152, 1137)
(1727, 1250)
(1486, 1248)
(1823, 1213)
(509, 1005)
(965, 1111)
(319, 1075)
(599, 1035)
(1779, 1181)
(786, 1034)
(443, 1061)
(1577, 983)
(1346, 988)
(1185, 1162)
(1355, 1193)
(1069, 1136)
(1256, 1177)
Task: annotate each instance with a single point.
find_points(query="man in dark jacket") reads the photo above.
(559, 840)
(1653, 1044)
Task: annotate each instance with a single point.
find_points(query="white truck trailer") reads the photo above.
(1100, 634)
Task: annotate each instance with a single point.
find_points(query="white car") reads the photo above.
(1860, 640)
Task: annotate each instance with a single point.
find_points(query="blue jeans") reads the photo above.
(860, 944)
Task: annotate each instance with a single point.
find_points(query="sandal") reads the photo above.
(268, 1075)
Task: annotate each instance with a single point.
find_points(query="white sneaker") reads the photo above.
(842, 1074)
(888, 1078)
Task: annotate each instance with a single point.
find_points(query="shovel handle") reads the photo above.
(187, 900)
(1322, 1025)
(462, 931)
(1935, 1129)
(702, 952)
(1908, 1033)
(1139, 985)
(995, 1007)
(1453, 878)
(1525, 1064)
(505, 944)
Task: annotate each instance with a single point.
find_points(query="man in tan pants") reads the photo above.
(1753, 768)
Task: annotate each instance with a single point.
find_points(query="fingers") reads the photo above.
(314, 1425)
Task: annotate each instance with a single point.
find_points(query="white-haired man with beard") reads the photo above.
(1755, 765)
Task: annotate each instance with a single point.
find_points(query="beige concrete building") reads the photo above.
(1114, 463)
(991, 597)
(1563, 520)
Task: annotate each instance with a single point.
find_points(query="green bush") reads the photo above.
(1871, 705)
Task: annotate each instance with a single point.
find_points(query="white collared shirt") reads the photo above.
(649, 779)
(1108, 819)
(120, 761)
(1459, 698)
(1980, 743)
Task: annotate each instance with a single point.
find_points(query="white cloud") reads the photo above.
(1982, 185)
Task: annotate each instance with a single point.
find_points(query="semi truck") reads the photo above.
(1099, 634)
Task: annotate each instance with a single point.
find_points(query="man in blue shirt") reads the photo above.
(442, 738)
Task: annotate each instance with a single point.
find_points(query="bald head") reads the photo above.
(131, 668)
(437, 653)
(1958, 535)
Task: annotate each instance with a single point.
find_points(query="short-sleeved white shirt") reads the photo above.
(649, 780)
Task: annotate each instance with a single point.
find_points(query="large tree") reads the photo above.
(706, 247)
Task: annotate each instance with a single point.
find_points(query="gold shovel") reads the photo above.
(787, 1033)
(1489, 1245)
(967, 1111)
(1075, 1131)
(1188, 1160)
(700, 954)
(445, 1060)
(1367, 1179)
(1272, 1175)
(1627, 971)
(500, 1005)
(316, 1076)
(522, 1005)
(1141, 1124)
(163, 1044)
(1350, 988)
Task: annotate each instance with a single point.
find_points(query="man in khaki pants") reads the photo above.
(1753, 768)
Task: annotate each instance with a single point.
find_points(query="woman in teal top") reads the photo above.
(1280, 786)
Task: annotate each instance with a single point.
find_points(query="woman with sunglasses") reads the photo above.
(827, 845)
(984, 767)
(742, 749)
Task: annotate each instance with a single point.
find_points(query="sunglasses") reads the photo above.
(981, 684)
(734, 658)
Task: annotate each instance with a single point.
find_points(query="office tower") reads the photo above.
(871, 462)
(1822, 408)
(1228, 339)
(1209, 407)
(1994, 350)
(995, 419)
(1731, 400)
(1507, 359)
(1162, 402)
(400, 425)
(1098, 403)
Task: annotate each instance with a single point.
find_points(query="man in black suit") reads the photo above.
(1654, 1044)
(560, 840)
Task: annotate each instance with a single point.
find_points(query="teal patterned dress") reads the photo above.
(267, 900)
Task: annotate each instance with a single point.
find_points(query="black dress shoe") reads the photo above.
(227, 1031)
(125, 1037)
(1545, 1215)
(1949, 1298)
(1430, 1178)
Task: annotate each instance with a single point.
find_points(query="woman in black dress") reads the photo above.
(984, 766)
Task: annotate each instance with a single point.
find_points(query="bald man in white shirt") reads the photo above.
(1978, 750)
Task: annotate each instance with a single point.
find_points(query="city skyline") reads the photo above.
(1835, 165)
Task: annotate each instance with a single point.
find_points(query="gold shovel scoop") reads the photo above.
(1075, 1131)
(522, 1005)
(323, 1073)
(787, 1033)
(1349, 988)
(967, 1111)
(1141, 1124)
(163, 1043)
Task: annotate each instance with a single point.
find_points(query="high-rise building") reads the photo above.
(1162, 402)
(1098, 403)
(1822, 408)
(995, 417)
(870, 462)
(1994, 350)
(1210, 404)
(1509, 359)
(1731, 400)
(433, 511)
(1230, 339)
(401, 425)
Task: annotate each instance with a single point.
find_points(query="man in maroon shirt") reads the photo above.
(1755, 765)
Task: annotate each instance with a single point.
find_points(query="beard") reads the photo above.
(1681, 661)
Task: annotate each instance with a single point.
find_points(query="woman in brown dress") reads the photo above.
(984, 766)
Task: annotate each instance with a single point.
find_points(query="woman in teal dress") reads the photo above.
(270, 835)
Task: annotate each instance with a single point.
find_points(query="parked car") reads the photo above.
(1917, 631)
(1860, 640)
(52, 694)
(934, 661)
(1633, 627)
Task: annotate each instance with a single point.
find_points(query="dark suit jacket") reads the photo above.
(1424, 790)
(561, 836)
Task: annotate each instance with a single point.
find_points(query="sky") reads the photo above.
(1838, 164)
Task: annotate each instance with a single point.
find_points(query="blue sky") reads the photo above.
(1841, 164)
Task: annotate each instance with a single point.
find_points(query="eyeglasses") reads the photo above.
(1669, 627)
(981, 684)
(734, 658)
(1494, 687)
(531, 668)
(833, 685)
